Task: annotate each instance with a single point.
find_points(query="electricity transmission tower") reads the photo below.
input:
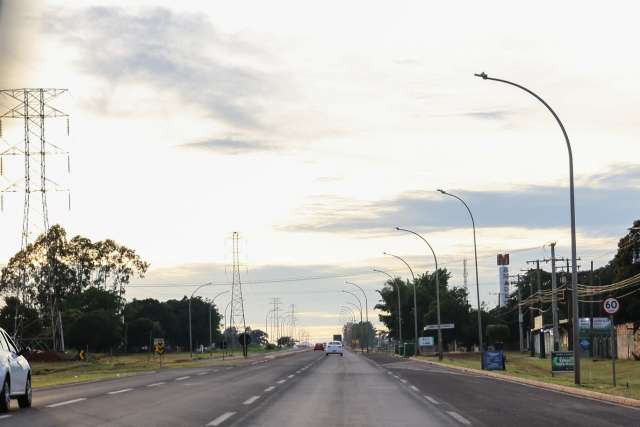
(33, 107)
(237, 320)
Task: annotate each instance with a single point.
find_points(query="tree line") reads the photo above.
(502, 322)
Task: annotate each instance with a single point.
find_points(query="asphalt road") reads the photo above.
(310, 389)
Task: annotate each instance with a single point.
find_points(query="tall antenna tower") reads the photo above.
(33, 107)
(237, 319)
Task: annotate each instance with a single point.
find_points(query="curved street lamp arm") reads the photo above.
(424, 240)
(198, 288)
(405, 263)
(384, 272)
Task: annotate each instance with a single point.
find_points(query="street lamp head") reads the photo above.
(483, 75)
(441, 191)
(398, 228)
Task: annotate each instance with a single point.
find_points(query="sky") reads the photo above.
(314, 130)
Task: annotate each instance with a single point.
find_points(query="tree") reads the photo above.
(52, 269)
(97, 330)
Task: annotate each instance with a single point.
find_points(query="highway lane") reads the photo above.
(194, 396)
(348, 391)
(486, 401)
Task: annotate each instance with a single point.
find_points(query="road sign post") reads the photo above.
(611, 307)
(158, 348)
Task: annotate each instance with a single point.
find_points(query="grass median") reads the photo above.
(105, 366)
(596, 374)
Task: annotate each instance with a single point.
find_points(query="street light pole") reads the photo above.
(190, 298)
(366, 310)
(210, 307)
(415, 301)
(475, 255)
(437, 288)
(574, 266)
(399, 312)
(360, 303)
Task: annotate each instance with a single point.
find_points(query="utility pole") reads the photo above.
(520, 316)
(591, 311)
(532, 350)
(554, 299)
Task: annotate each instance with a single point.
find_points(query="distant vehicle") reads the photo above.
(16, 374)
(333, 347)
(318, 346)
(337, 337)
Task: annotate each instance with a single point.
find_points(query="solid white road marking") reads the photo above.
(268, 389)
(183, 378)
(414, 388)
(432, 400)
(222, 418)
(459, 418)
(281, 381)
(124, 390)
(155, 384)
(68, 402)
(250, 400)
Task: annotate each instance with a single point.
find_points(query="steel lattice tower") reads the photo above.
(237, 319)
(32, 106)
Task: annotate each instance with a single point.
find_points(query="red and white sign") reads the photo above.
(611, 305)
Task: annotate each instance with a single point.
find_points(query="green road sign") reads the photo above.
(562, 361)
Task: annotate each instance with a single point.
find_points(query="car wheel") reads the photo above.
(5, 397)
(24, 401)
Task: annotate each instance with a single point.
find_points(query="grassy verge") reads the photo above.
(596, 375)
(104, 366)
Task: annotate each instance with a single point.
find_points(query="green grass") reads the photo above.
(104, 366)
(596, 375)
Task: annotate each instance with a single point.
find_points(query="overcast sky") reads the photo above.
(315, 130)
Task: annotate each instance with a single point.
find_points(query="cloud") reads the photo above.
(231, 146)
(170, 52)
(614, 203)
(16, 43)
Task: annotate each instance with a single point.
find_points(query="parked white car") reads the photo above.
(333, 347)
(16, 374)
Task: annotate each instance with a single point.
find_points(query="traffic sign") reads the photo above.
(158, 345)
(442, 326)
(82, 355)
(611, 305)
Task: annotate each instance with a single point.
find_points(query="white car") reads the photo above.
(15, 373)
(333, 347)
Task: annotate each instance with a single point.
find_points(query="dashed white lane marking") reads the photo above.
(298, 371)
(396, 377)
(183, 378)
(222, 418)
(68, 402)
(282, 381)
(155, 384)
(389, 372)
(230, 367)
(2, 417)
(216, 370)
(431, 399)
(403, 381)
(124, 390)
(268, 389)
(414, 388)
(203, 373)
(250, 400)
(254, 363)
(290, 376)
(459, 418)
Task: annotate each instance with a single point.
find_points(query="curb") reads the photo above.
(620, 400)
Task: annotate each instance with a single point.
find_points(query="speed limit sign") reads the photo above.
(611, 305)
